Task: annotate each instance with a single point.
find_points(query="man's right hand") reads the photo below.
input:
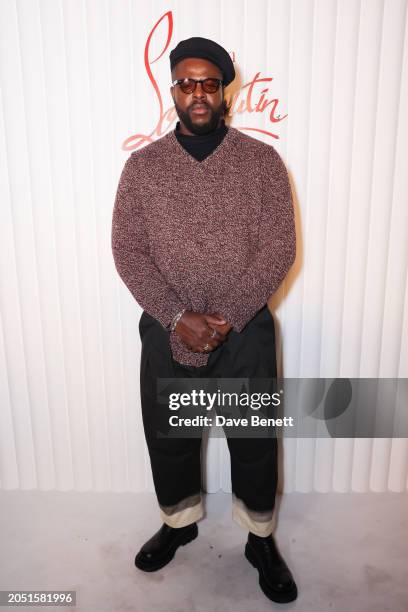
(195, 331)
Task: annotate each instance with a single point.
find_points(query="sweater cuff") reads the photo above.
(234, 316)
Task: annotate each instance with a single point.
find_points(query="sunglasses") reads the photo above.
(188, 86)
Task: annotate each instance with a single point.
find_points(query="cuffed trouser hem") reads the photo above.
(260, 523)
(184, 513)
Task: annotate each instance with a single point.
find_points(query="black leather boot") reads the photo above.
(161, 547)
(275, 578)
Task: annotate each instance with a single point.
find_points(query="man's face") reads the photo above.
(199, 112)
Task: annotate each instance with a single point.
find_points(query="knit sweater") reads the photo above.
(210, 236)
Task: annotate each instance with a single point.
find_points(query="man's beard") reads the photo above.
(202, 128)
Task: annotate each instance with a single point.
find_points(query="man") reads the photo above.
(202, 235)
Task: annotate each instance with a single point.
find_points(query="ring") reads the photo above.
(214, 333)
(206, 347)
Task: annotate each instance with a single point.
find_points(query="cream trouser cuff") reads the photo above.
(191, 510)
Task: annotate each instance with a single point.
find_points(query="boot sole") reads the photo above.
(153, 567)
(273, 595)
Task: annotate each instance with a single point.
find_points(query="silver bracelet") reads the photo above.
(176, 319)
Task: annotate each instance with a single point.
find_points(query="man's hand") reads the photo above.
(222, 329)
(202, 333)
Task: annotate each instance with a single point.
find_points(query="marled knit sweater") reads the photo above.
(216, 235)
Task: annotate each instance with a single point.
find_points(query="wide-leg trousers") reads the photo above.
(176, 461)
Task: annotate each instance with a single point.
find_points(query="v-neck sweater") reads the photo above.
(216, 235)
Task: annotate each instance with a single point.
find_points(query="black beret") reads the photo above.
(205, 49)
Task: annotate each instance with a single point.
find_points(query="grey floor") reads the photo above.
(346, 551)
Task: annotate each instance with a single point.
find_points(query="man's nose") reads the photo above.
(199, 91)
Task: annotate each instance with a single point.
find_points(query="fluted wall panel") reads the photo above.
(74, 88)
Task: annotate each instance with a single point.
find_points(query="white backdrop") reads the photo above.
(76, 87)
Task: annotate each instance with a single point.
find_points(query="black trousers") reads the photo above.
(176, 462)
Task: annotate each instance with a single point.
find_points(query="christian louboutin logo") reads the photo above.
(251, 97)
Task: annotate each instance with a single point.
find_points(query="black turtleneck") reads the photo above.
(201, 145)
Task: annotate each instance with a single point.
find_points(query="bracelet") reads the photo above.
(176, 319)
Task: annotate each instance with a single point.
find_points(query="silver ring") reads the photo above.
(206, 347)
(214, 333)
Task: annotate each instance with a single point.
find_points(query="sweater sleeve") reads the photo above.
(131, 255)
(276, 248)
